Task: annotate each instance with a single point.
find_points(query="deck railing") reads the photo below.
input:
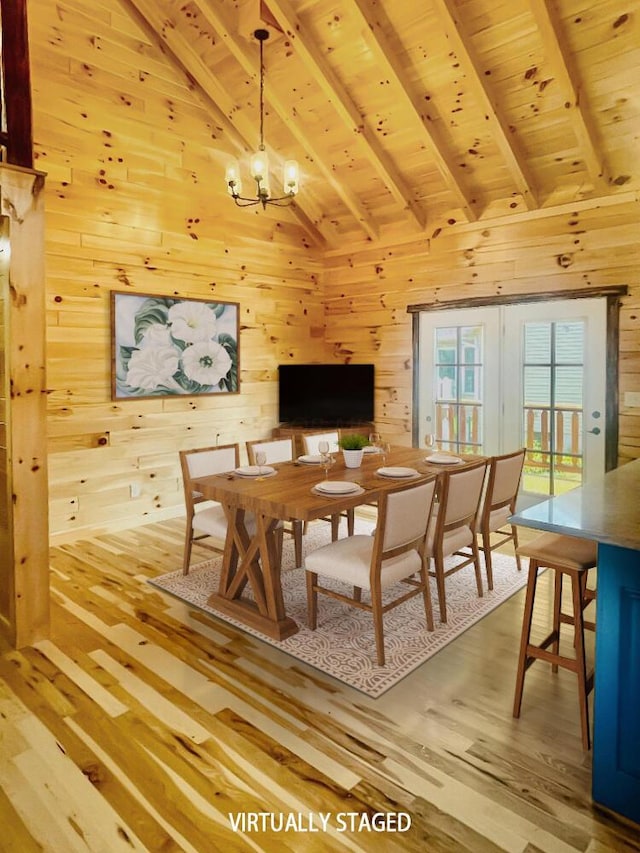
(458, 425)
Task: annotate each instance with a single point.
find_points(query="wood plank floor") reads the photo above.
(141, 726)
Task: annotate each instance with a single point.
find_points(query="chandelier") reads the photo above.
(259, 165)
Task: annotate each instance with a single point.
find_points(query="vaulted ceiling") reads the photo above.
(408, 114)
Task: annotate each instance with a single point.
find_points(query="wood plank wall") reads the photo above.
(584, 245)
(135, 201)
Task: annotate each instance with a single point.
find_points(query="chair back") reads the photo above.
(403, 518)
(503, 483)
(203, 461)
(460, 496)
(277, 450)
(310, 442)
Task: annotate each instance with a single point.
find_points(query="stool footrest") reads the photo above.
(538, 653)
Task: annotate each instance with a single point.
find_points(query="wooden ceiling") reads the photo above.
(406, 115)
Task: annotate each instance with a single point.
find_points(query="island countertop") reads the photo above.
(607, 510)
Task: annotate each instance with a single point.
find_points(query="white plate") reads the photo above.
(255, 471)
(443, 459)
(397, 473)
(310, 459)
(370, 449)
(337, 487)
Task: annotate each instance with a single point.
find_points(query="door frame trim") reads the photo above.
(612, 294)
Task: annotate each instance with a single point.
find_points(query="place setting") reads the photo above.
(310, 459)
(442, 459)
(333, 488)
(438, 457)
(398, 473)
(337, 488)
(259, 471)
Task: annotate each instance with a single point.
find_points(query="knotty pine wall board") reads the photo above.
(520, 257)
(136, 201)
(127, 183)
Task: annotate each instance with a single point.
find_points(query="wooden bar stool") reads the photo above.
(565, 555)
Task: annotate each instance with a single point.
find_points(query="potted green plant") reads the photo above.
(352, 446)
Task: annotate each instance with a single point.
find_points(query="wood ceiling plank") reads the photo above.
(558, 55)
(238, 127)
(394, 71)
(247, 59)
(346, 109)
(499, 125)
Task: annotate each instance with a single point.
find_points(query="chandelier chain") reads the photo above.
(261, 96)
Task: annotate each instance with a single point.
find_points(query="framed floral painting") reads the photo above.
(166, 346)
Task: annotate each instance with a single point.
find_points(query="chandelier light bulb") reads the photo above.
(260, 166)
(291, 177)
(234, 181)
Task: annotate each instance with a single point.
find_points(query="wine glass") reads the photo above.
(323, 447)
(261, 459)
(385, 448)
(374, 439)
(430, 441)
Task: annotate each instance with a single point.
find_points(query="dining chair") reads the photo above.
(395, 553)
(310, 443)
(206, 519)
(279, 450)
(498, 503)
(454, 526)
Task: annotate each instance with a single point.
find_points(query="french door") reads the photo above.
(496, 378)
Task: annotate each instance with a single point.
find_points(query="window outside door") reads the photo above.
(497, 378)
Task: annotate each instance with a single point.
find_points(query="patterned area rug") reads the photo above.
(343, 645)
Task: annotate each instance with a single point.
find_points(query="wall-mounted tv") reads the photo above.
(325, 394)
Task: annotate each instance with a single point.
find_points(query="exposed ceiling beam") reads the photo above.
(557, 53)
(323, 74)
(391, 68)
(16, 85)
(215, 17)
(498, 126)
(237, 126)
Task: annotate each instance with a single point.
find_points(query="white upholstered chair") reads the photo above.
(206, 520)
(373, 563)
(498, 503)
(311, 441)
(276, 450)
(453, 526)
(279, 450)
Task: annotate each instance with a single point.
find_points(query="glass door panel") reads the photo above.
(458, 360)
(553, 377)
(560, 378)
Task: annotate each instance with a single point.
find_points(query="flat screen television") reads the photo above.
(322, 395)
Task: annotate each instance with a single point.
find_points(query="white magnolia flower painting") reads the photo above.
(164, 346)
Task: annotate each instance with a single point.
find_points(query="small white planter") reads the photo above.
(352, 458)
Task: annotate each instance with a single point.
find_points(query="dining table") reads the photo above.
(288, 491)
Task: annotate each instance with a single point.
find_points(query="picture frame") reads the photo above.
(169, 346)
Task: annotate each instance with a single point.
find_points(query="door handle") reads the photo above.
(595, 430)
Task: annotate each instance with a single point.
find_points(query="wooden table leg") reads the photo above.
(252, 560)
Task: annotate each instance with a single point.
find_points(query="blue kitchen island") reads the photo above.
(608, 511)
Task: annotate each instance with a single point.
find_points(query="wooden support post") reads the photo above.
(24, 529)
